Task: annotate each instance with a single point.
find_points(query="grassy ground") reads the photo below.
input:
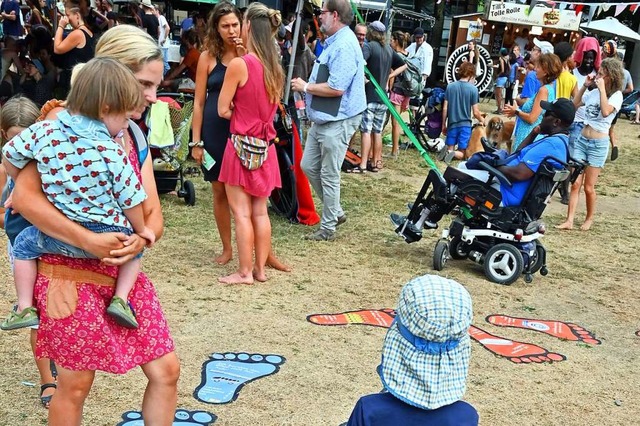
(592, 282)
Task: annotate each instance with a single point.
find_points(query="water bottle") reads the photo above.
(298, 100)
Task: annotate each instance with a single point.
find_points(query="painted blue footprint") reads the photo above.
(182, 418)
(224, 375)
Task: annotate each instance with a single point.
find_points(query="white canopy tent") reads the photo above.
(612, 26)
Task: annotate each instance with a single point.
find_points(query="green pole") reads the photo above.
(392, 110)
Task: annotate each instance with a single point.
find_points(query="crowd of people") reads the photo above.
(82, 200)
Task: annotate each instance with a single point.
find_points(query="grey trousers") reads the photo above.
(324, 152)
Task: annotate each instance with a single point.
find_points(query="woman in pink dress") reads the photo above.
(250, 94)
(72, 294)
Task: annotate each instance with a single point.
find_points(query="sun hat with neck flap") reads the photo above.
(426, 352)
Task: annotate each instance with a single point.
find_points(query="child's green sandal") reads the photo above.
(27, 318)
(120, 311)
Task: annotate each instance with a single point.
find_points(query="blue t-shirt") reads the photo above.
(383, 409)
(461, 96)
(9, 27)
(513, 73)
(532, 155)
(531, 85)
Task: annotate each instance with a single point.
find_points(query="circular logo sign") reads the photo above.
(484, 70)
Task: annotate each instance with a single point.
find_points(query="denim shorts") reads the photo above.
(501, 82)
(594, 151)
(31, 243)
(459, 136)
(575, 130)
(373, 118)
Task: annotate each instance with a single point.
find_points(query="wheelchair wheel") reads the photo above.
(440, 255)
(503, 264)
(189, 193)
(538, 257)
(283, 200)
(458, 249)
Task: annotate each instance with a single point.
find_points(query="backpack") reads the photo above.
(139, 142)
(352, 159)
(412, 83)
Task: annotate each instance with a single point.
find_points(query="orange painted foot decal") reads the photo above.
(374, 317)
(516, 352)
(559, 329)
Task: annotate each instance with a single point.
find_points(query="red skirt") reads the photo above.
(258, 183)
(75, 331)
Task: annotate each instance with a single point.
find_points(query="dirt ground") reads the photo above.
(592, 282)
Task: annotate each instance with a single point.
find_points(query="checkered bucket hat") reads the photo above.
(425, 355)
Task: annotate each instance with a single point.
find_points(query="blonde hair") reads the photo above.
(19, 111)
(264, 25)
(104, 82)
(129, 45)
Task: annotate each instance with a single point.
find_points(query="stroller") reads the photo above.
(629, 103)
(170, 152)
(505, 240)
(425, 118)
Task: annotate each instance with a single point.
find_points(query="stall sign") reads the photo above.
(475, 31)
(514, 13)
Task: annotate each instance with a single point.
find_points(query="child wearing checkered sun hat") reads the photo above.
(425, 359)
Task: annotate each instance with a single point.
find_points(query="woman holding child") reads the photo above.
(72, 293)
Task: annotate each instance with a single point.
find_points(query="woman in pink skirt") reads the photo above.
(72, 295)
(249, 98)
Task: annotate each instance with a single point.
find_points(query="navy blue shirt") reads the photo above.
(383, 409)
(9, 27)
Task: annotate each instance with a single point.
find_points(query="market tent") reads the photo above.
(612, 26)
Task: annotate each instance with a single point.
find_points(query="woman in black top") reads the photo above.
(77, 47)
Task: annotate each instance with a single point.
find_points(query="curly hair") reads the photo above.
(612, 67)
(466, 70)
(551, 66)
(213, 43)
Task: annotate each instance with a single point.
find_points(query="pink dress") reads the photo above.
(252, 116)
(72, 297)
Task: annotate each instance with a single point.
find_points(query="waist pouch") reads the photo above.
(251, 151)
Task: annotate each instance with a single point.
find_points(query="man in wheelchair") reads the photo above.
(496, 197)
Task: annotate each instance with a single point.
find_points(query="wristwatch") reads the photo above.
(194, 144)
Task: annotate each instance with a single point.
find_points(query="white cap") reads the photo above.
(544, 46)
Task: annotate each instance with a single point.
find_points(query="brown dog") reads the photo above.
(499, 132)
(475, 145)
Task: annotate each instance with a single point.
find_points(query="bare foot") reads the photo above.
(236, 278)
(273, 262)
(224, 258)
(260, 276)
(565, 225)
(586, 225)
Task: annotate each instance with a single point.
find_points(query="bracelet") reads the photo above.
(306, 86)
(198, 144)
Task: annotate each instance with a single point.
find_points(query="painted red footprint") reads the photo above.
(373, 317)
(514, 351)
(559, 329)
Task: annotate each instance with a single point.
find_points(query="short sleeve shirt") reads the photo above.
(383, 409)
(461, 96)
(532, 156)
(593, 113)
(85, 173)
(342, 55)
(191, 62)
(565, 84)
(9, 27)
(531, 86)
(150, 24)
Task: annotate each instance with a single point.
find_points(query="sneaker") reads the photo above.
(397, 219)
(442, 153)
(27, 318)
(121, 312)
(341, 219)
(449, 156)
(321, 235)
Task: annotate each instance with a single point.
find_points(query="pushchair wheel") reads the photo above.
(503, 264)
(440, 255)
(189, 193)
(458, 249)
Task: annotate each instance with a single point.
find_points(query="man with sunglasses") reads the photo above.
(335, 100)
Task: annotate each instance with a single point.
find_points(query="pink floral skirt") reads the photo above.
(75, 331)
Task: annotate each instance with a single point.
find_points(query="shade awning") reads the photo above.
(611, 26)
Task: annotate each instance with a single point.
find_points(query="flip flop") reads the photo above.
(614, 153)
(46, 400)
